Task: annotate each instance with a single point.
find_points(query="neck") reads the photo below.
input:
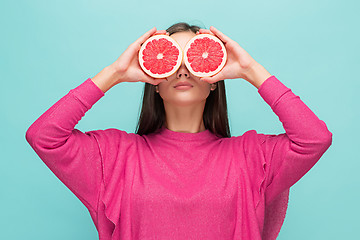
(187, 119)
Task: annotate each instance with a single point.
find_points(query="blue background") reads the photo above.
(50, 47)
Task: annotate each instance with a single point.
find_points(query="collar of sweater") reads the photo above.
(182, 136)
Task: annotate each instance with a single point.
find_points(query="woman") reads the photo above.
(181, 176)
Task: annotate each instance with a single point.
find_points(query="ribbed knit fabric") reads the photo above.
(173, 185)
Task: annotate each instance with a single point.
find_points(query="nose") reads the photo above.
(183, 71)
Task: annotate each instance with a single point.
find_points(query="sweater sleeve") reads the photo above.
(73, 156)
(290, 155)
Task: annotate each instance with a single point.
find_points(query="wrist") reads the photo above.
(257, 74)
(106, 78)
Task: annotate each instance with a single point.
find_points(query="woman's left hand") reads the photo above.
(239, 63)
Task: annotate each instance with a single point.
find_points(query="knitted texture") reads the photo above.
(174, 185)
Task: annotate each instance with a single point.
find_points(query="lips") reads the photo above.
(183, 84)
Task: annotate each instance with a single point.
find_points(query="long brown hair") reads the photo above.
(215, 116)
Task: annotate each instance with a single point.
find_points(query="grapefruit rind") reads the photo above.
(178, 61)
(209, 73)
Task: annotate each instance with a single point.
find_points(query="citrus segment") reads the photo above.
(160, 56)
(205, 55)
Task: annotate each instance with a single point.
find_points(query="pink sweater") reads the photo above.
(172, 185)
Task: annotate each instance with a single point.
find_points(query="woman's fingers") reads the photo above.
(145, 36)
(159, 32)
(222, 36)
(153, 81)
(201, 31)
(143, 77)
(217, 77)
(215, 32)
(157, 81)
(135, 46)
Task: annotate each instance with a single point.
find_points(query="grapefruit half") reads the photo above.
(160, 56)
(205, 55)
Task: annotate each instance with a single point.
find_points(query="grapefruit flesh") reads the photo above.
(160, 56)
(205, 55)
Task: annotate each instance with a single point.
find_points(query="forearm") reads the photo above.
(106, 78)
(301, 124)
(257, 74)
(57, 123)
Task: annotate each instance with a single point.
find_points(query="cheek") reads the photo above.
(194, 77)
(202, 90)
(205, 86)
(164, 85)
(165, 90)
(172, 77)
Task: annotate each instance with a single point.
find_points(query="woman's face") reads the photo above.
(200, 90)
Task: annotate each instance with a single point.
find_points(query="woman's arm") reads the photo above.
(290, 155)
(106, 78)
(256, 75)
(73, 156)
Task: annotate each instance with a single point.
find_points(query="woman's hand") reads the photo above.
(239, 63)
(127, 65)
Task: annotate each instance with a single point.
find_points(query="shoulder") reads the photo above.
(253, 140)
(243, 144)
(252, 136)
(111, 133)
(248, 137)
(115, 147)
(113, 137)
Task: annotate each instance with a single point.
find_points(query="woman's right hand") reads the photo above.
(127, 66)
